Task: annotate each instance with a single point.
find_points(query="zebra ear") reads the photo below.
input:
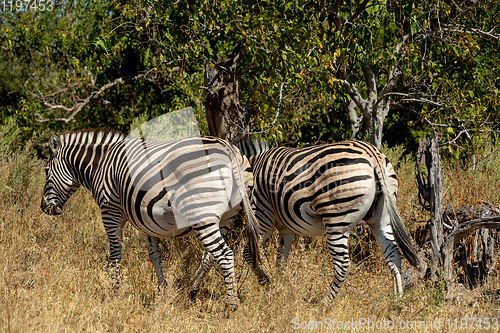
(54, 144)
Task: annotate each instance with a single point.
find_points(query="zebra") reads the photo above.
(165, 189)
(327, 189)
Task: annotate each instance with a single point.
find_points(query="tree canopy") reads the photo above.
(333, 70)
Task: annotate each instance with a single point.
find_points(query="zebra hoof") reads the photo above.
(263, 280)
(162, 287)
(192, 294)
(327, 300)
(232, 307)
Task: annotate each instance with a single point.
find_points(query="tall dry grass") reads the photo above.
(54, 274)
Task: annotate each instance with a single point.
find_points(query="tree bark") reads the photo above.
(223, 112)
(458, 233)
(373, 109)
(432, 193)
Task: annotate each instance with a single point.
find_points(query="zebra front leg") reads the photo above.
(337, 246)
(155, 257)
(113, 224)
(211, 238)
(115, 256)
(206, 263)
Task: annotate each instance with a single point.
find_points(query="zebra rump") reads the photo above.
(328, 189)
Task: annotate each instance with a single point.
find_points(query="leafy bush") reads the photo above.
(9, 134)
(22, 160)
(21, 173)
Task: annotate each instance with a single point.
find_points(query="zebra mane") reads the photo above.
(93, 136)
(251, 147)
(261, 145)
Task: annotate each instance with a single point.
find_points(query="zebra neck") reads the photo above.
(87, 162)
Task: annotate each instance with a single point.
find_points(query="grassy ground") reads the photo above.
(54, 274)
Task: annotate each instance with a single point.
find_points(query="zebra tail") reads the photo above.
(252, 222)
(403, 239)
(252, 231)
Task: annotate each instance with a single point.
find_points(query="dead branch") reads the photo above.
(423, 190)
(75, 109)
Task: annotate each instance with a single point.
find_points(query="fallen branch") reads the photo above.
(459, 232)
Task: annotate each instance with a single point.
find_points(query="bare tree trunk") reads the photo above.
(355, 120)
(446, 231)
(478, 266)
(432, 193)
(373, 109)
(223, 112)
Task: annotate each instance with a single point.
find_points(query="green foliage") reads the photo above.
(23, 162)
(21, 172)
(437, 292)
(68, 54)
(9, 134)
(138, 121)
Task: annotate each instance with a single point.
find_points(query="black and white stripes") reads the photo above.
(165, 189)
(328, 189)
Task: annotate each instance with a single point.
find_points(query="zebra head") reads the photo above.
(60, 182)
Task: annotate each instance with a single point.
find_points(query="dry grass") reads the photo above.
(55, 276)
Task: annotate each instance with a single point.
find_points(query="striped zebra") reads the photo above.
(328, 189)
(165, 189)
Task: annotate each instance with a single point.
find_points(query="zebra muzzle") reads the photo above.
(53, 210)
(50, 208)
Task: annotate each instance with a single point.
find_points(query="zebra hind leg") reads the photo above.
(155, 257)
(211, 238)
(337, 246)
(262, 277)
(381, 227)
(206, 263)
(286, 238)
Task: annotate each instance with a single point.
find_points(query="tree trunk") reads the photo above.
(223, 112)
(432, 193)
(478, 263)
(373, 109)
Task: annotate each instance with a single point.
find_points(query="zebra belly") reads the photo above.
(167, 218)
(305, 222)
(162, 221)
(168, 223)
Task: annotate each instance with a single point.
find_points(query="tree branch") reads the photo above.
(351, 88)
(464, 131)
(275, 117)
(75, 109)
(467, 30)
